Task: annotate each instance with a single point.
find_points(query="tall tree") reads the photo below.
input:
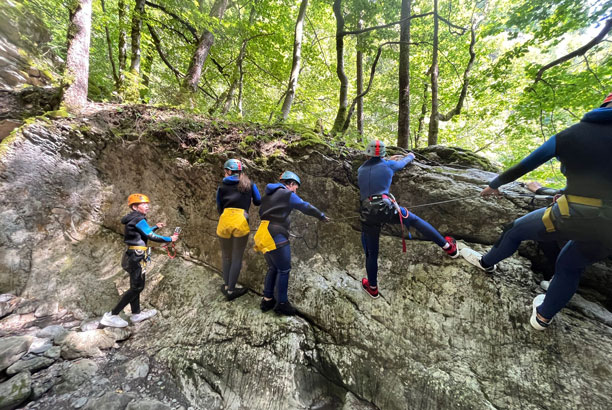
(122, 45)
(76, 74)
(432, 137)
(359, 68)
(109, 45)
(403, 120)
(205, 42)
(343, 96)
(295, 65)
(132, 92)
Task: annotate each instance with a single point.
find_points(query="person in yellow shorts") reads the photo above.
(272, 239)
(234, 197)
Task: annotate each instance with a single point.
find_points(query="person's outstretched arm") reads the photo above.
(542, 154)
(401, 163)
(144, 228)
(297, 203)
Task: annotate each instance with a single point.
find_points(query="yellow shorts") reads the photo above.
(233, 222)
(263, 240)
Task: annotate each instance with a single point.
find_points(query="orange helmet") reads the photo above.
(137, 199)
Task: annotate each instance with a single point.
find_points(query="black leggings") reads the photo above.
(131, 262)
(232, 250)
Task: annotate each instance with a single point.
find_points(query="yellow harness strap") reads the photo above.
(138, 248)
(547, 220)
(233, 223)
(263, 240)
(563, 204)
(583, 200)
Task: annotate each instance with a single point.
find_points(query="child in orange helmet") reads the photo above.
(137, 232)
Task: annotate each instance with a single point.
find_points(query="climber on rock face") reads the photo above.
(379, 207)
(272, 238)
(134, 261)
(582, 215)
(234, 197)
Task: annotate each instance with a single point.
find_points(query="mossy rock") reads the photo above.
(457, 156)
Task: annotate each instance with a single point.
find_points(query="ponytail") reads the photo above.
(244, 183)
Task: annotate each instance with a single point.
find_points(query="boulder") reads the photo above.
(52, 332)
(12, 348)
(75, 375)
(147, 404)
(137, 368)
(91, 342)
(15, 390)
(31, 365)
(110, 401)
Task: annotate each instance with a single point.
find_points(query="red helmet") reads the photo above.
(607, 100)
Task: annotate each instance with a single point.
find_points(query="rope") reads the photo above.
(170, 247)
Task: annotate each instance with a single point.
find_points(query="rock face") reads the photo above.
(443, 335)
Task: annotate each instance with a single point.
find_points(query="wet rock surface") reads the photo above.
(443, 335)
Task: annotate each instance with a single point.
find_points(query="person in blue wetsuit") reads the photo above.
(379, 207)
(272, 239)
(582, 215)
(137, 233)
(234, 197)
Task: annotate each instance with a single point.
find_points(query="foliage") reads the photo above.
(505, 115)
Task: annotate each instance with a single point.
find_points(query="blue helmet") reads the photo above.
(290, 176)
(233, 165)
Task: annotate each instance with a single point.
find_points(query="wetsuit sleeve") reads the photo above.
(296, 203)
(397, 165)
(542, 154)
(219, 206)
(548, 191)
(144, 229)
(255, 195)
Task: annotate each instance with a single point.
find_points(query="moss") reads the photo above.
(61, 113)
(7, 142)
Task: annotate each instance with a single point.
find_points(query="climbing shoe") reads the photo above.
(236, 293)
(452, 250)
(535, 321)
(285, 308)
(475, 259)
(111, 320)
(267, 304)
(365, 285)
(144, 315)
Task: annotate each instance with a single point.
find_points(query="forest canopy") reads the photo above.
(498, 77)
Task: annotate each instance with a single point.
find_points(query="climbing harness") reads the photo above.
(563, 205)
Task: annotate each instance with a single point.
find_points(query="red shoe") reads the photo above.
(452, 249)
(365, 285)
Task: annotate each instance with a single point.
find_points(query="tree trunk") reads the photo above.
(145, 93)
(457, 109)
(236, 78)
(359, 82)
(297, 57)
(109, 44)
(122, 55)
(403, 121)
(76, 74)
(132, 92)
(205, 42)
(419, 132)
(432, 138)
(343, 97)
